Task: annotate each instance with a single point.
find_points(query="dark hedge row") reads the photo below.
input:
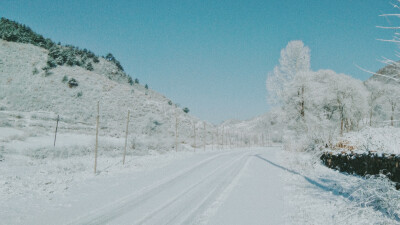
(365, 164)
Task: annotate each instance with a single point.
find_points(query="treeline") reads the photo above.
(58, 55)
(322, 104)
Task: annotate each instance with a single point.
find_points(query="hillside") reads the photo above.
(32, 98)
(388, 74)
(23, 90)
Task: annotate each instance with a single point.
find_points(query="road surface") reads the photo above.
(238, 186)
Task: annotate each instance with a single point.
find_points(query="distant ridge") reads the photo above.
(388, 74)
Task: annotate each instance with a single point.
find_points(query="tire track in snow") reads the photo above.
(108, 212)
(222, 184)
(215, 173)
(220, 198)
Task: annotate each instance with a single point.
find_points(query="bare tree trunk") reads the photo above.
(370, 117)
(392, 116)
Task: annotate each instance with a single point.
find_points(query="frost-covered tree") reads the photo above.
(287, 84)
(392, 93)
(375, 93)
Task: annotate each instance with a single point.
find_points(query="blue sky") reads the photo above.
(213, 56)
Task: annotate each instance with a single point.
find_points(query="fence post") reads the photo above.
(126, 138)
(204, 139)
(194, 132)
(97, 136)
(212, 140)
(55, 135)
(176, 133)
(217, 139)
(222, 133)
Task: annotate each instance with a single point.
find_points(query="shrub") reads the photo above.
(146, 86)
(130, 81)
(35, 71)
(136, 81)
(65, 79)
(89, 67)
(79, 94)
(110, 57)
(186, 110)
(46, 70)
(169, 102)
(72, 83)
(96, 59)
(51, 63)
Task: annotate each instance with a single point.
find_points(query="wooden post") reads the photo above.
(176, 133)
(194, 132)
(97, 136)
(212, 140)
(55, 135)
(204, 138)
(126, 137)
(222, 133)
(217, 139)
(230, 140)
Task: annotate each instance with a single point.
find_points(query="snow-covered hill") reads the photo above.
(31, 100)
(26, 88)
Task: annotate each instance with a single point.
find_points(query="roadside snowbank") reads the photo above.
(315, 194)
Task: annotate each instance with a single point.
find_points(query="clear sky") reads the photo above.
(213, 56)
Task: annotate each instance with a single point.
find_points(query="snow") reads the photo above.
(45, 184)
(380, 140)
(315, 194)
(211, 187)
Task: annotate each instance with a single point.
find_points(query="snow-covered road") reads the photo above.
(220, 187)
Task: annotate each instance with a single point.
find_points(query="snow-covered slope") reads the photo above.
(26, 88)
(31, 100)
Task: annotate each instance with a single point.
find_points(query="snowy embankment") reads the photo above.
(315, 194)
